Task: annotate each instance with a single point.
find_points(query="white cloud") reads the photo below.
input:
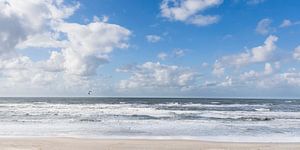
(162, 56)
(228, 82)
(54, 64)
(179, 52)
(103, 19)
(257, 54)
(270, 79)
(268, 69)
(43, 40)
(285, 79)
(263, 53)
(89, 45)
(126, 68)
(34, 15)
(254, 75)
(296, 53)
(202, 20)
(41, 24)
(287, 23)
(189, 11)
(153, 38)
(22, 21)
(237, 60)
(21, 71)
(250, 75)
(79, 48)
(155, 75)
(174, 54)
(96, 37)
(264, 26)
(292, 78)
(15, 63)
(218, 69)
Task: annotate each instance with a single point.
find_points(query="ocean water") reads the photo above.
(253, 120)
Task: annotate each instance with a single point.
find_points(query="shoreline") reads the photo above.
(223, 139)
(74, 143)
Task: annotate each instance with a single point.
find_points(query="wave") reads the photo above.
(90, 120)
(256, 118)
(262, 109)
(212, 118)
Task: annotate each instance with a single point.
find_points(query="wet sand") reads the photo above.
(102, 144)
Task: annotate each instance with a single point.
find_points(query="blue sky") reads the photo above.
(193, 48)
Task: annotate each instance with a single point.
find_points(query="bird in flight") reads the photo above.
(90, 92)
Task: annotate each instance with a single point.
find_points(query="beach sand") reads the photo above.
(101, 144)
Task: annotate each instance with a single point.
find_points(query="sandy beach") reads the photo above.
(101, 144)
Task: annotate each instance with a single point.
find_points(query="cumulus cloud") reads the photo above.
(218, 68)
(155, 75)
(80, 48)
(250, 75)
(153, 38)
(179, 52)
(20, 22)
(21, 71)
(268, 69)
(162, 56)
(254, 75)
(31, 16)
(54, 64)
(287, 23)
(257, 54)
(291, 78)
(176, 53)
(104, 18)
(296, 53)
(89, 45)
(42, 40)
(190, 11)
(264, 26)
(285, 79)
(224, 82)
(263, 53)
(270, 77)
(227, 82)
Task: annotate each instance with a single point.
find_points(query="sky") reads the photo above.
(157, 48)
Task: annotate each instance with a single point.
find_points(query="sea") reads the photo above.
(210, 119)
